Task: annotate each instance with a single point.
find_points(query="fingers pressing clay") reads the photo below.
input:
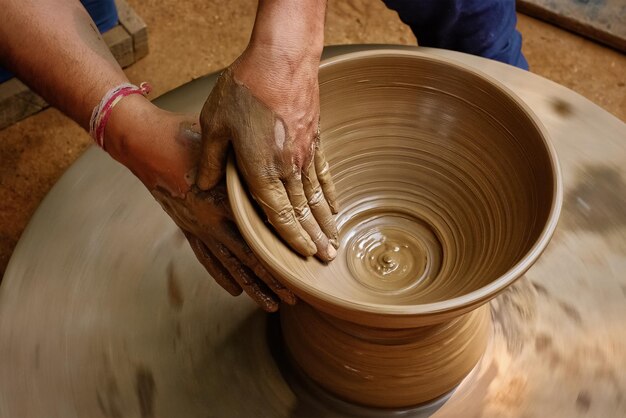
(325, 251)
(215, 137)
(273, 199)
(235, 243)
(213, 265)
(202, 216)
(256, 289)
(212, 163)
(319, 205)
(268, 138)
(323, 175)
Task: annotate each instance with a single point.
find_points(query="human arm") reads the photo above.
(266, 104)
(55, 48)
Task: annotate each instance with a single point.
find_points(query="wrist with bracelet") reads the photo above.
(102, 112)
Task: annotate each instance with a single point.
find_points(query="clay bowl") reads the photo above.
(449, 190)
(439, 169)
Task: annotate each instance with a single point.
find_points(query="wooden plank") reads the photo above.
(17, 102)
(121, 45)
(603, 21)
(135, 26)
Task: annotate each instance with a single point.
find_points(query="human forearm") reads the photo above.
(284, 52)
(55, 48)
(290, 26)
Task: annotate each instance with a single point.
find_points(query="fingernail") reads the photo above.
(201, 181)
(334, 242)
(332, 252)
(290, 299)
(312, 248)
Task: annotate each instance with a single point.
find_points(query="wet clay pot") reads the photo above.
(449, 190)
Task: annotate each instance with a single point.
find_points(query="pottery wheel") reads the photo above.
(104, 311)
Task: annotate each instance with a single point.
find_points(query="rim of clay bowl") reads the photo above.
(314, 296)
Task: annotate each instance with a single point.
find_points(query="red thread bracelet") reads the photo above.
(102, 112)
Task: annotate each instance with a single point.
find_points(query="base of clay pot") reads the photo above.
(314, 400)
(384, 368)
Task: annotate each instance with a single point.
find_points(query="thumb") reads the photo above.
(212, 163)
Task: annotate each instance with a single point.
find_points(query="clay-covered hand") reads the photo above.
(163, 152)
(267, 107)
(206, 220)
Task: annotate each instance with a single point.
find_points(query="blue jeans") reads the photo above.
(479, 27)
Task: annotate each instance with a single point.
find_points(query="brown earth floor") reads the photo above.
(189, 38)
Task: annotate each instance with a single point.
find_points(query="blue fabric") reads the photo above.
(479, 27)
(5, 75)
(103, 13)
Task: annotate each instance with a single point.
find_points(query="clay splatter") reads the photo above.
(108, 400)
(145, 387)
(514, 307)
(571, 312)
(541, 289)
(561, 107)
(174, 292)
(37, 355)
(583, 401)
(598, 202)
(542, 342)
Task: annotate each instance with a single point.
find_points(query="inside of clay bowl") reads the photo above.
(447, 185)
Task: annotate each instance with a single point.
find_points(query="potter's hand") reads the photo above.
(145, 139)
(267, 106)
(163, 151)
(272, 122)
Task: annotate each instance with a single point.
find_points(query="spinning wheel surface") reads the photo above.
(104, 311)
